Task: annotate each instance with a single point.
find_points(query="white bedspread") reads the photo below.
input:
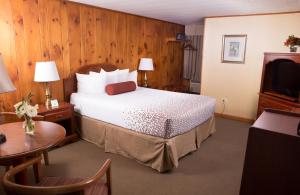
(150, 111)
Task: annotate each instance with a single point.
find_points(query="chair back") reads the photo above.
(75, 188)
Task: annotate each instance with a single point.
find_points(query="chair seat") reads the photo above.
(100, 188)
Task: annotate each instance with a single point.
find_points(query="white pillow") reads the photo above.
(83, 85)
(123, 75)
(111, 77)
(94, 73)
(100, 79)
(90, 84)
(132, 76)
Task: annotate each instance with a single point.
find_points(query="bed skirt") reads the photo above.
(159, 153)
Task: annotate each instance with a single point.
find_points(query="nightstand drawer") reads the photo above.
(58, 116)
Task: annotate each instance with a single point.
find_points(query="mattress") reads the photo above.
(150, 111)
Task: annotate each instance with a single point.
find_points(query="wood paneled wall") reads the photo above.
(74, 35)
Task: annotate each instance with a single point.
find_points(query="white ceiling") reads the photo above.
(192, 11)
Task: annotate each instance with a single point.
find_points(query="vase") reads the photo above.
(29, 126)
(293, 48)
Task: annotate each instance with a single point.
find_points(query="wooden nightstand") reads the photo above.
(176, 88)
(63, 115)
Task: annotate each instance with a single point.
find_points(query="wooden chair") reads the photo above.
(10, 117)
(56, 185)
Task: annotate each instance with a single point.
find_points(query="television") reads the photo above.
(283, 77)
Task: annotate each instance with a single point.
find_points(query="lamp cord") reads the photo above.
(224, 107)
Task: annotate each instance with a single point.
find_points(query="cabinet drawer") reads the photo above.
(265, 102)
(58, 116)
(269, 103)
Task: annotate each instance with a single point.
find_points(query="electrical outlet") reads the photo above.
(224, 103)
(224, 100)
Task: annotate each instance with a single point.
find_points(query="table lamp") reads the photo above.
(46, 72)
(6, 85)
(146, 64)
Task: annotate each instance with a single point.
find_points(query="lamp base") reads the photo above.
(48, 96)
(145, 80)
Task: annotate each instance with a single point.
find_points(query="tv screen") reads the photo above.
(286, 77)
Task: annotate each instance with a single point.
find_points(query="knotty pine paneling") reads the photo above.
(73, 35)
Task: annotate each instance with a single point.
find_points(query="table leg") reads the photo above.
(46, 157)
(37, 171)
(73, 136)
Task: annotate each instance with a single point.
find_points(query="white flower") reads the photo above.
(31, 111)
(24, 109)
(17, 105)
(21, 108)
(36, 106)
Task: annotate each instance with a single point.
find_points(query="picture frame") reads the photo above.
(54, 103)
(180, 37)
(234, 49)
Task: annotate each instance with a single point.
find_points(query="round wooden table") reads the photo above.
(19, 146)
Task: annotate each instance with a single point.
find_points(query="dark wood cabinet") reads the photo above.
(269, 101)
(272, 161)
(64, 115)
(280, 82)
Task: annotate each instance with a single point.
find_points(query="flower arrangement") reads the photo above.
(24, 109)
(292, 42)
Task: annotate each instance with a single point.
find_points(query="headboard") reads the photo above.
(70, 83)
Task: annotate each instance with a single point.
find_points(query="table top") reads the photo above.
(18, 144)
(279, 122)
(62, 106)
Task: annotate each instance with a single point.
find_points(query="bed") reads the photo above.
(154, 127)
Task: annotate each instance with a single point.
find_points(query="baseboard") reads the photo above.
(236, 118)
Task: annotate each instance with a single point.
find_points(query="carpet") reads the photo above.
(214, 169)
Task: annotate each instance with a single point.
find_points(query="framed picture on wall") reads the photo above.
(234, 49)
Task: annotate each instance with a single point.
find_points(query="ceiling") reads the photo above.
(193, 11)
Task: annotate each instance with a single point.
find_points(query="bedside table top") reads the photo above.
(62, 106)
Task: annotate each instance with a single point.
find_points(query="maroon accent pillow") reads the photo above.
(117, 88)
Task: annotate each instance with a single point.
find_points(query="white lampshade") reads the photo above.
(146, 64)
(46, 72)
(6, 84)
